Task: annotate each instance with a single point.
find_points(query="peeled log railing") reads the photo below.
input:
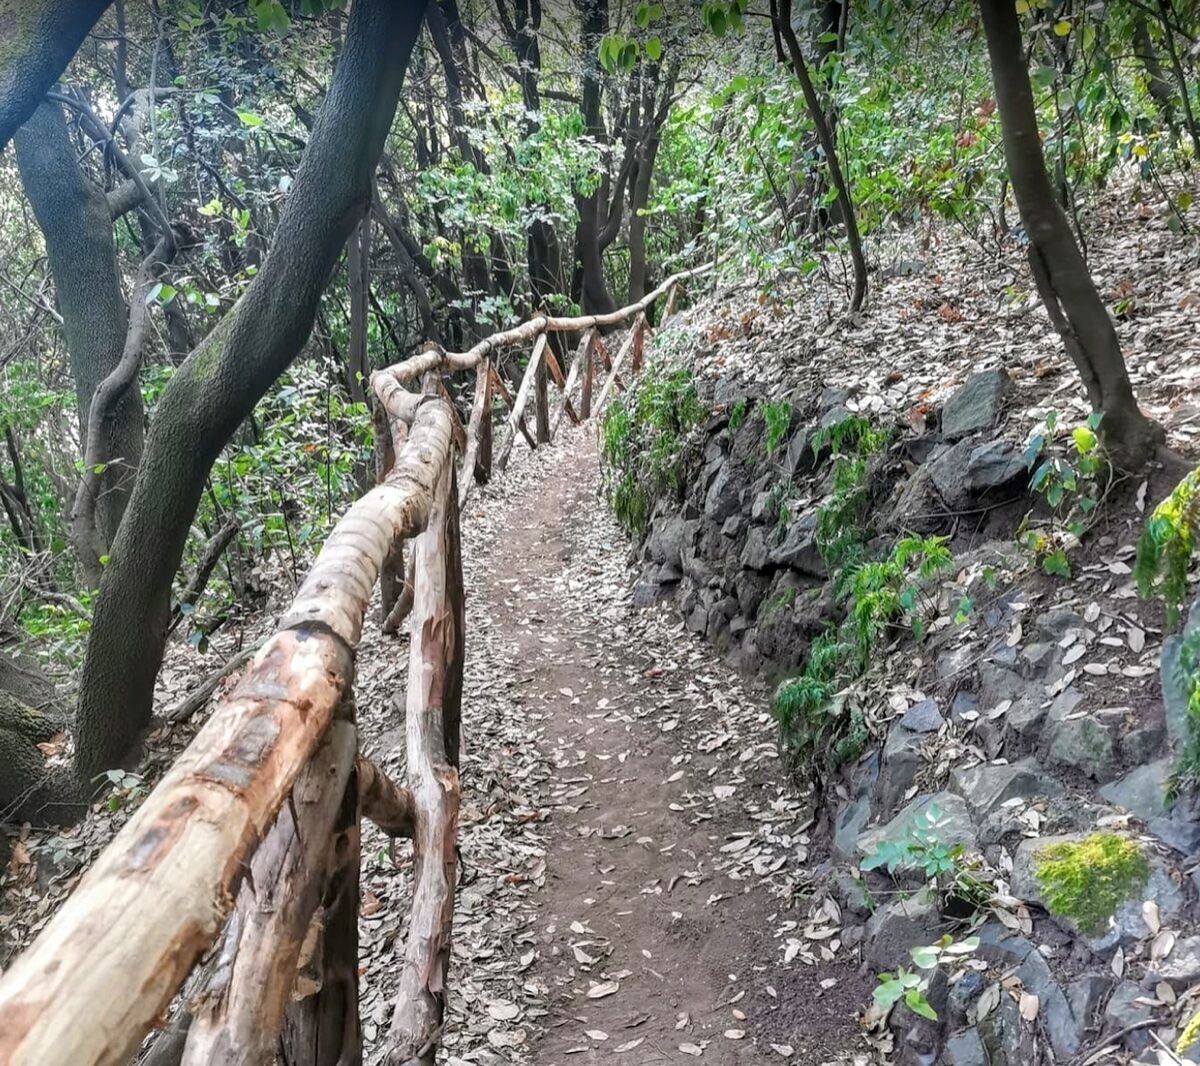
(240, 869)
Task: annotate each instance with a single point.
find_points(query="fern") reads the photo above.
(642, 443)
(1164, 550)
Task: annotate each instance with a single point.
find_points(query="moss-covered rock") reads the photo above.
(1086, 881)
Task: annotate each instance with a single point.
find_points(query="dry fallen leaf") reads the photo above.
(605, 988)
(691, 1049)
(1029, 1005)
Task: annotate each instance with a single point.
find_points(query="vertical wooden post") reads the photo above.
(432, 713)
(670, 308)
(483, 457)
(585, 396)
(639, 339)
(238, 1014)
(323, 1029)
(541, 397)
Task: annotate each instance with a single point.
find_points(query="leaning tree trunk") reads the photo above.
(783, 17)
(218, 385)
(1061, 275)
(77, 225)
(37, 40)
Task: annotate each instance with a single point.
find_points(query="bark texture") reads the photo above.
(37, 40)
(77, 224)
(1062, 277)
(219, 383)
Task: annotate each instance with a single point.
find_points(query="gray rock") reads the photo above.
(755, 552)
(963, 994)
(993, 465)
(799, 458)
(733, 526)
(833, 396)
(976, 404)
(918, 507)
(749, 589)
(799, 547)
(964, 1048)
(834, 415)
(646, 594)
(724, 495)
(896, 929)
(1142, 791)
(1024, 718)
(985, 788)
(763, 508)
(1086, 994)
(1174, 687)
(923, 717)
(1181, 969)
(667, 538)
(851, 821)
(1035, 660)
(963, 705)
(903, 268)
(998, 683)
(1000, 947)
(1008, 1039)
(1141, 746)
(1054, 624)
(951, 823)
(1123, 1010)
(949, 473)
(1082, 743)
(850, 892)
(1054, 1010)
(902, 761)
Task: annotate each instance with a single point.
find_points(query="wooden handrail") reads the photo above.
(106, 967)
(437, 358)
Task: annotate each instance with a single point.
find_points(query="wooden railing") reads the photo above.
(252, 836)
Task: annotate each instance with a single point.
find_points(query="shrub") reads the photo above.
(643, 438)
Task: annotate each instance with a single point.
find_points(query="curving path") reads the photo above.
(632, 864)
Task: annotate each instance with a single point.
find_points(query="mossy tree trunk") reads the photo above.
(37, 40)
(218, 385)
(77, 224)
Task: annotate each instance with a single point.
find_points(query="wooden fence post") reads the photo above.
(238, 1015)
(433, 702)
(589, 369)
(541, 412)
(323, 1029)
(518, 407)
(640, 325)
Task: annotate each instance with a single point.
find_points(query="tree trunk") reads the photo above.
(77, 224)
(220, 382)
(783, 16)
(37, 40)
(1061, 275)
(1157, 85)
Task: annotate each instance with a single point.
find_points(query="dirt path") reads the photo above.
(630, 857)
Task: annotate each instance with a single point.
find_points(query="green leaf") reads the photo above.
(1061, 28)
(1056, 564)
(249, 118)
(927, 957)
(918, 1004)
(103, 560)
(1085, 439)
(654, 49)
(99, 468)
(642, 16)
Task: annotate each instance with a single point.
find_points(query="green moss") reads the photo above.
(1087, 881)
